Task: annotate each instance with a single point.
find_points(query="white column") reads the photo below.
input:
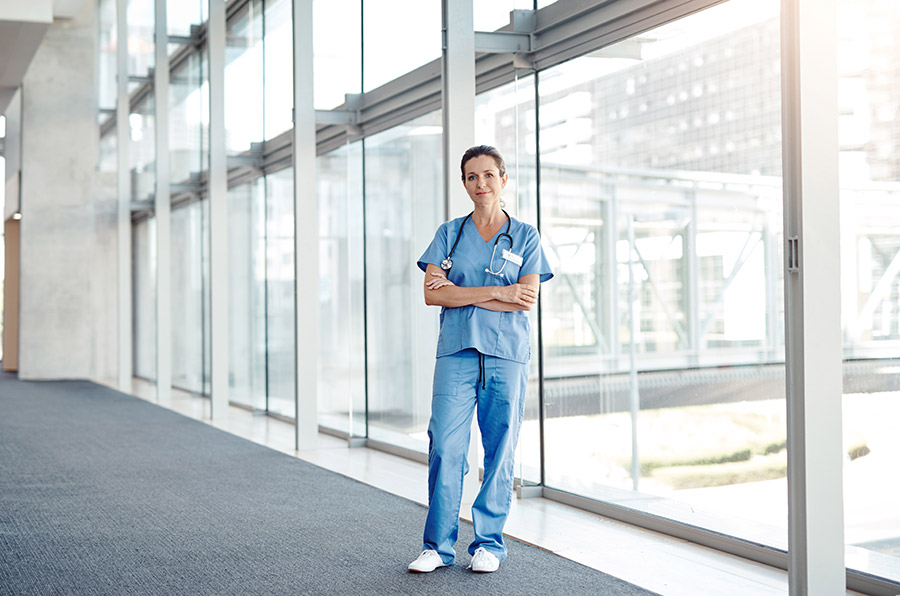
(458, 99)
(218, 211)
(812, 294)
(123, 191)
(459, 134)
(162, 208)
(306, 231)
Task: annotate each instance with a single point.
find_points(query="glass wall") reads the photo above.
(337, 51)
(342, 399)
(244, 79)
(280, 321)
(661, 215)
(421, 41)
(186, 111)
(869, 171)
(404, 206)
(247, 295)
(143, 276)
(278, 47)
(187, 298)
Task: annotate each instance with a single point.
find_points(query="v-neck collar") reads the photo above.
(498, 232)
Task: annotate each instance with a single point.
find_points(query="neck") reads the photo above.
(488, 215)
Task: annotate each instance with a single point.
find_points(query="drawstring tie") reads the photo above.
(481, 369)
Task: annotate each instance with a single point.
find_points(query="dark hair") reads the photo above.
(478, 151)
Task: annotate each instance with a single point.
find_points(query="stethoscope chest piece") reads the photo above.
(446, 264)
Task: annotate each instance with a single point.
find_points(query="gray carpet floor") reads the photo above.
(103, 493)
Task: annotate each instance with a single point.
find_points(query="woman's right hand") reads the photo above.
(521, 294)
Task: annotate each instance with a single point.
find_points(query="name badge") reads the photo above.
(513, 258)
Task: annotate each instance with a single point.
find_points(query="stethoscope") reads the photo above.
(447, 263)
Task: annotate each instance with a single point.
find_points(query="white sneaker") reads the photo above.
(427, 562)
(484, 561)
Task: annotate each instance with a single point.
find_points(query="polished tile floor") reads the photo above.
(654, 561)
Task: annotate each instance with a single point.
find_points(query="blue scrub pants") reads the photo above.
(497, 386)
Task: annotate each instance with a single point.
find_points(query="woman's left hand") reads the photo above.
(439, 282)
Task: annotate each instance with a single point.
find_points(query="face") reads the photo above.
(483, 180)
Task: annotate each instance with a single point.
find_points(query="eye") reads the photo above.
(489, 175)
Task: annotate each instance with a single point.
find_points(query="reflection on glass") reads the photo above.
(182, 14)
(279, 51)
(185, 120)
(491, 15)
(336, 51)
(280, 291)
(341, 323)
(143, 275)
(187, 303)
(403, 209)
(142, 153)
(141, 19)
(661, 214)
(244, 79)
(382, 32)
(869, 171)
(247, 294)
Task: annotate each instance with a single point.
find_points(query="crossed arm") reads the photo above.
(440, 291)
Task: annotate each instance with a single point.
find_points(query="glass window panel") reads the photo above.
(247, 294)
(280, 323)
(491, 15)
(279, 74)
(869, 171)
(337, 41)
(404, 206)
(663, 330)
(388, 55)
(187, 298)
(244, 80)
(141, 19)
(185, 120)
(341, 322)
(505, 119)
(182, 14)
(144, 298)
(142, 154)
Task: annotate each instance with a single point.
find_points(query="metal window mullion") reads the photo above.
(812, 294)
(162, 208)
(306, 231)
(217, 187)
(123, 191)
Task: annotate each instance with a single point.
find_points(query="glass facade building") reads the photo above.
(648, 147)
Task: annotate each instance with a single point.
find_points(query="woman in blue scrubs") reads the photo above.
(484, 270)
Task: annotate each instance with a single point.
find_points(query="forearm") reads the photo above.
(497, 305)
(455, 296)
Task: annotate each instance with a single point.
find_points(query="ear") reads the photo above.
(504, 180)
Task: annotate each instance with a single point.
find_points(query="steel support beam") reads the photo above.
(306, 232)
(163, 209)
(812, 297)
(123, 193)
(217, 187)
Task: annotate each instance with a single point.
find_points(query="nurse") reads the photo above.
(484, 270)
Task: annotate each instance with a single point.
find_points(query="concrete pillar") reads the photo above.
(67, 322)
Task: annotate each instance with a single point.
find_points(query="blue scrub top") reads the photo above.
(500, 334)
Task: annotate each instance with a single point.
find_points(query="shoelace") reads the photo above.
(479, 554)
